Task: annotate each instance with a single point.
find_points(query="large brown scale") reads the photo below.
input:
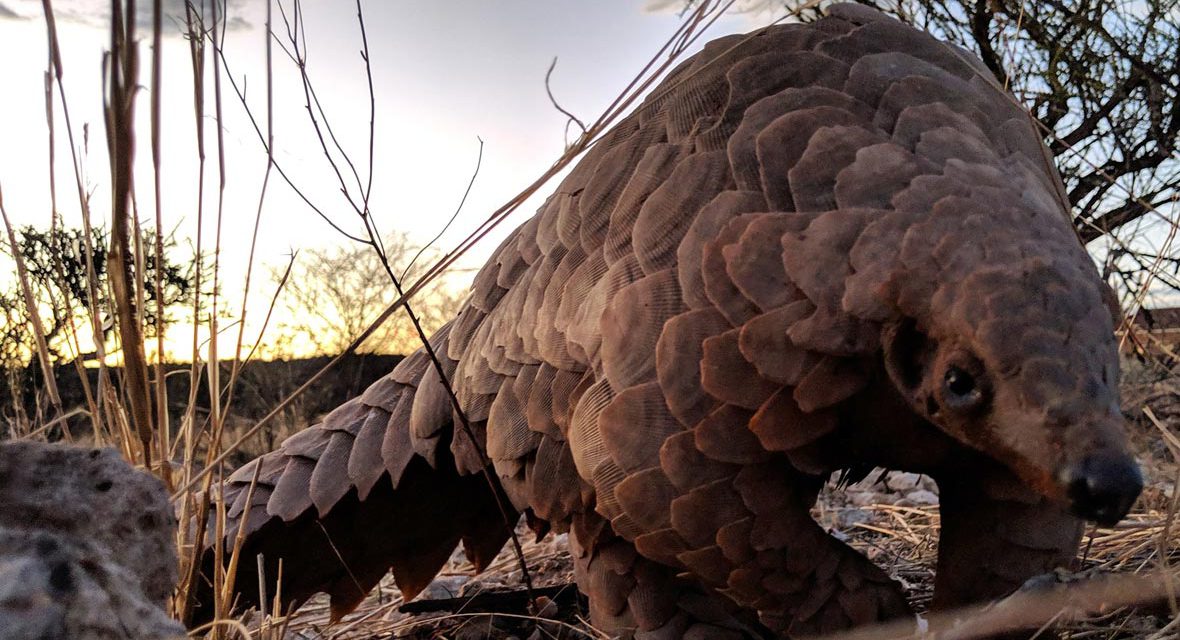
(818, 248)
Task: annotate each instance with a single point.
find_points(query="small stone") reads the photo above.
(444, 587)
(920, 498)
(546, 608)
(902, 482)
(849, 518)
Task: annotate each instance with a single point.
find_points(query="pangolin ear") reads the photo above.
(908, 353)
(1112, 303)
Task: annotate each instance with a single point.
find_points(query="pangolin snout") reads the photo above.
(1103, 487)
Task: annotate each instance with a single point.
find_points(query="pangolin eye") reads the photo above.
(962, 390)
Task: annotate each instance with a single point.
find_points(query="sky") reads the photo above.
(446, 75)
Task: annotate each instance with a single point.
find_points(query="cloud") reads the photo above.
(97, 13)
(742, 6)
(664, 6)
(174, 12)
(7, 13)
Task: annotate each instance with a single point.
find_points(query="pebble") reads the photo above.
(919, 498)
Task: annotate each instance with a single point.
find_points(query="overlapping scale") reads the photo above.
(743, 145)
(719, 288)
(686, 467)
(678, 356)
(586, 441)
(878, 172)
(585, 327)
(780, 145)
(700, 513)
(728, 376)
(708, 223)
(556, 490)
(754, 263)
(631, 326)
(764, 343)
(605, 187)
(725, 435)
(509, 436)
(635, 425)
(653, 170)
(666, 215)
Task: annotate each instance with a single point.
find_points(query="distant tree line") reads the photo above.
(68, 280)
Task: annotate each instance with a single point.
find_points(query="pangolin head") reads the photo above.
(1002, 333)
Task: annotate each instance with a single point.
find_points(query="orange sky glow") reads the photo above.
(445, 75)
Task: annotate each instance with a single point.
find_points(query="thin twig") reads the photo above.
(552, 100)
(163, 430)
(462, 201)
(237, 363)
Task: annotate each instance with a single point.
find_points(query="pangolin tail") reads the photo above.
(351, 498)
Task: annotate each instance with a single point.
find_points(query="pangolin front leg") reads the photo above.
(746, 533)
(996, 534)
(801, 580)
(634, 597)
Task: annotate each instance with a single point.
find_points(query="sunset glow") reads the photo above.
(445, 76)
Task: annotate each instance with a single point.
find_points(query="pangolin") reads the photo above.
(816, 248)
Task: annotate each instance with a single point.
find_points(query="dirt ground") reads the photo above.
(891, 517)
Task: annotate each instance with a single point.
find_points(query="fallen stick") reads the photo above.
(1031, 609)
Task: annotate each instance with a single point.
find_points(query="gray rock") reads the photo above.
(902, 482)
(86, 546)
(444, 587)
